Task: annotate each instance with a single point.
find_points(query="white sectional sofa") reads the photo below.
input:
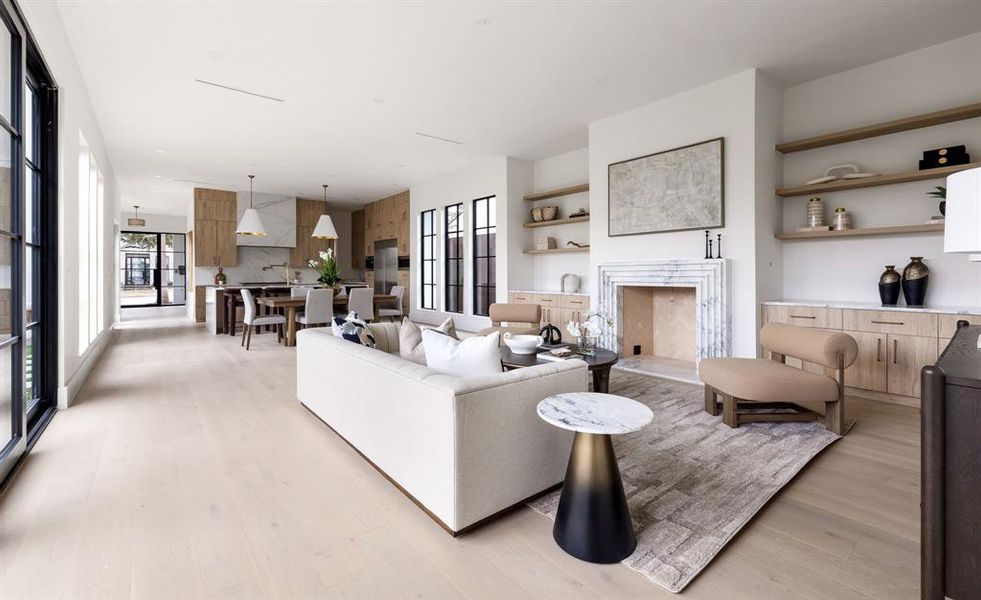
(464, 449)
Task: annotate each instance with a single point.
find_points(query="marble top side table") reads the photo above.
(593, 522)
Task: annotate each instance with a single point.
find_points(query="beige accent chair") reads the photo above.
(521, 319)
(758, 389)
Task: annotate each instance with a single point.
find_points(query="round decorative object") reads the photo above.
(536, 214)
(549, 213)
(815, 212)
(522, 344)
(916, 278)
(841, 220)
(889, 286)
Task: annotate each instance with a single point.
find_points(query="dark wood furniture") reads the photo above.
(950, 519)
(599, 365)
(290, 305)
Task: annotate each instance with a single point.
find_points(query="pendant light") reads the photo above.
(251, 224)
(325, 226)
(136, 221)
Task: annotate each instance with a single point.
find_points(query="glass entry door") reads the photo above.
(154, 269)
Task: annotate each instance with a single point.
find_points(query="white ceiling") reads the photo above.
(359, 80)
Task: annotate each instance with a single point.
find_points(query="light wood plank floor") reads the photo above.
(187, 469)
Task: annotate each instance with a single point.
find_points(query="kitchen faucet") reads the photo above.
(286, 270)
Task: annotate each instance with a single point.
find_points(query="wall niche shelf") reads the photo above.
(566, 221)
(567, 191)
(867, 231)
(569, 250)
(930, 119)
(854, 184)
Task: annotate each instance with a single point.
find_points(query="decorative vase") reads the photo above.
(841, 220)
(815, 212)
(916, 278)
(586, 345)
(220, 278)
(889, 286)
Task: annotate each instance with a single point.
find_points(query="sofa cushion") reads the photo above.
(410, 339)
(352, 329)
(764, 380)
(472, 357)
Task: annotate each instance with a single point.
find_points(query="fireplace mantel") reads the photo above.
(709, 277)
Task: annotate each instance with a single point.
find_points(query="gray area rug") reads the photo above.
(691, 482)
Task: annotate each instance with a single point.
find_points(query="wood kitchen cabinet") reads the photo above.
(357, 239)
(215, 213)
(308, 213)
(868, 372)
(907, 355)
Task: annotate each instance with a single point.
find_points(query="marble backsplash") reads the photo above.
(278, 214)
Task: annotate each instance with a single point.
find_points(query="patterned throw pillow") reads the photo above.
(353, 329)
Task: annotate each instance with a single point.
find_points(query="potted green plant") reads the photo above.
(326, 266)
(940, 192)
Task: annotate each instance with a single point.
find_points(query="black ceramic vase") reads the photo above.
(889, 286)
(916, 278)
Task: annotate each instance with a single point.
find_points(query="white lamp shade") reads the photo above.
(962, 223)
(324, 229)
(251, 224)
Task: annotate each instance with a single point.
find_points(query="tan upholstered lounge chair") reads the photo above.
(520, 319)
(759, 389)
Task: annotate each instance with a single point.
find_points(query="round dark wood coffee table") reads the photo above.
(599, 365)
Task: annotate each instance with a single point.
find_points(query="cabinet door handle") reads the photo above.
(887, 322)
(895, 349)
(878, 350)
(802, 317)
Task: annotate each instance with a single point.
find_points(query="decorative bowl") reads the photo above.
(522, 344)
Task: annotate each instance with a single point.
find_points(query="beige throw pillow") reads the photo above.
(410, 339)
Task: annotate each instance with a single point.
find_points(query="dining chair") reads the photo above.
(252, 321)
(362, 301)
(319, 309)
(394, 313)
(300, 291)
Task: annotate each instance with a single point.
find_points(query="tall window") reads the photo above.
(91, 244)
(427, 247)
(453, 257)
(28, 241)
(484, 253)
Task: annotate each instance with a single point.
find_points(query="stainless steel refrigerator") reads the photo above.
(386, 265)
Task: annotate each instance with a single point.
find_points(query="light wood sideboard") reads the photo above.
(557, 308)
(894, 343)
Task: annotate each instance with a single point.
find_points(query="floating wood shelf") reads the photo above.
(567, 250)
(893, 230)
(939, 117)
(568, 191)
(854, 184)
(584, 219)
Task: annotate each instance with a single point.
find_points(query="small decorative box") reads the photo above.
(945, 157)
(545, 243)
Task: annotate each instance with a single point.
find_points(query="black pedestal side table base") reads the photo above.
(593, 521)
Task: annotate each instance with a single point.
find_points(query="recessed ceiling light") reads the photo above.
(603, 79)
(400, 165)
(160, 151)
(482, 22)
(378, 100)
(157, 176)
(214, 53)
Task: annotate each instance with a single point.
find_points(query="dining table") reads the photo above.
(290, 306)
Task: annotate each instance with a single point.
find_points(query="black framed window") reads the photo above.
(453, 258)
(28, 240)
(154, 269)
(484, 254)
(427, 250)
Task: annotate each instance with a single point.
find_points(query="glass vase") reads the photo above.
(586, 345)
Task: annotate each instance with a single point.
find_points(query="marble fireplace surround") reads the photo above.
(709, 277)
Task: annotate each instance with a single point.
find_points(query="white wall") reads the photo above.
(156, 223)
(564, 170)
(725, 108)
(74, 115)
(934, 78)
(507, 178)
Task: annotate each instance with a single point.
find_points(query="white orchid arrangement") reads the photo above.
(326, 265)
(591, 326)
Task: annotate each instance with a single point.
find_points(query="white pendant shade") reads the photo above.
(962, 225)
(251, 224)
(324, 229)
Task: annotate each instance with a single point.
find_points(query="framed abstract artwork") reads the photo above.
(673, 190)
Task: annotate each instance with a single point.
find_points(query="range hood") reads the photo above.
(278, 214)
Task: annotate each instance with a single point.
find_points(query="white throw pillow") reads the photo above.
(410, 339)
(472, 357)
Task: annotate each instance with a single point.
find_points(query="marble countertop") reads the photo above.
(586, 412)
(548, 292)
(956, 310)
